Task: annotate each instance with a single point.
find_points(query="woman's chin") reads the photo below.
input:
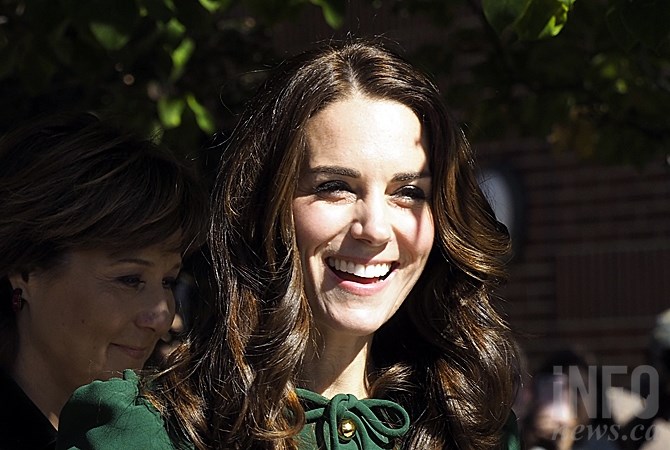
(349, 326)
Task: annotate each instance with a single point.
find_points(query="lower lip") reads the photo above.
(362, 289)
(134, 353)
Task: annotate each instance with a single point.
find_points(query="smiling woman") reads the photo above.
(363, 222)
(94, 226)
(356, 257)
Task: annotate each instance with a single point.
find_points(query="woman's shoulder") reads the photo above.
(110, 415)
(22, 424)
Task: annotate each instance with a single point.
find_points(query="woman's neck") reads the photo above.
(40, 384)
(336, 365)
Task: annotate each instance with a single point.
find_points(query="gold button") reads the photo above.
(346, 429)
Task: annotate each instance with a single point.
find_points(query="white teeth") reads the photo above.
(371, 272)
(360, 270)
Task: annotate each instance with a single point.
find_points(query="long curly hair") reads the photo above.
(446, 355)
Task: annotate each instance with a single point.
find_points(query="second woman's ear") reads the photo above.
(21, 280)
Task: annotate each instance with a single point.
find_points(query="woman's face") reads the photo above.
(97, 313)
(363, 222)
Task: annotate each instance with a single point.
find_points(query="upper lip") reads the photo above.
(133, 347)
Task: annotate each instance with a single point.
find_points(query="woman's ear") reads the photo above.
(21, 280)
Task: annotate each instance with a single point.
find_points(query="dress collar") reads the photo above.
(345, 422)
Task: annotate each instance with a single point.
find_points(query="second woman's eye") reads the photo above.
(169, 283)
(131, 280)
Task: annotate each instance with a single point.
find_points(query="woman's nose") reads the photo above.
(158, 312)
(371, 222)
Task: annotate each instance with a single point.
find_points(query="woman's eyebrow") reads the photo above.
(139, 261)
(142, 262)
(353, 173)
(336, 170)
(410, 176)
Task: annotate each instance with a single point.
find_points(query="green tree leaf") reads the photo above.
(180, 57)
(542, 19)
(215, 5)
(170, 111)
(202, 116)
(333, 11)
(502, 14)
(530, 19)
(111, 22)
(109, 36)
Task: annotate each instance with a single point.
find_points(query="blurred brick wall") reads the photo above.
(593, 263)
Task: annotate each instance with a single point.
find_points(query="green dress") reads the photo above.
(112, 415)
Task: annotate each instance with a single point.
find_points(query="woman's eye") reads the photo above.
(330, 187)
(411, 192)
(131, 280)
(169, 283)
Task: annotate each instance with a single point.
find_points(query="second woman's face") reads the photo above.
(363, 221)
(97, 313)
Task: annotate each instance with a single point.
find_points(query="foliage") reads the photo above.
(529, 19)
(601, 87)
(592, 76)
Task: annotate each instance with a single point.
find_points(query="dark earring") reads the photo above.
(17, 300)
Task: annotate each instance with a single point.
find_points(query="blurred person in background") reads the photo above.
(644, 413)
(566, 406)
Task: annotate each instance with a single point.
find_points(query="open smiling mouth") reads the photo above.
(360, 273)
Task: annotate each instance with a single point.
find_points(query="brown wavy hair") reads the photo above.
(446, 356)
(72, 182)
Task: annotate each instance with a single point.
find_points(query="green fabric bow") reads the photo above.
(370, 432)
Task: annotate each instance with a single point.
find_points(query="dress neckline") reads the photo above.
(345, 422)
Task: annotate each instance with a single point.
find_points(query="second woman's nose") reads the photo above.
(158, 311)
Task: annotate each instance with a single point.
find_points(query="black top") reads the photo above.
(22, 424)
